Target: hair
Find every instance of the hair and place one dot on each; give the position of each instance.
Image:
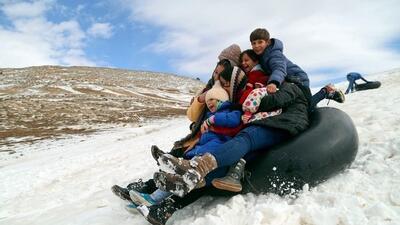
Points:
(251, 53)
(259, 33)
(227, 72)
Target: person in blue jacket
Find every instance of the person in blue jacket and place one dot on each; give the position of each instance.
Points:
(220, 115)
(280, 68)
(352, 77)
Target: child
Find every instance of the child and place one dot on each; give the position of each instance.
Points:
(275, 63)
(220, 114)
(256, 82)
(352, 77)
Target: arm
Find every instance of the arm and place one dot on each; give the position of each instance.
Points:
(277, 64)
(195, 109)
(227, 118)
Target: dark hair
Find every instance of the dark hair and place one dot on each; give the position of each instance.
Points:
(251, 53)
(225, 63)
(227, 72)
(259, 33)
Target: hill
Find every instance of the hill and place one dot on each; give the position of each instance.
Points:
(47, 101)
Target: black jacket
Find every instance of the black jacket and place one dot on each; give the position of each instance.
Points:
(294, 103)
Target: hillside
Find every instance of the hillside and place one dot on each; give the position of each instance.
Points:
(47, 101)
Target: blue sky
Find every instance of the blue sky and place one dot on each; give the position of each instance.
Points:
(326, 38)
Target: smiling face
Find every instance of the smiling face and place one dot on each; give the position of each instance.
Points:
(259, 46)
(212, 104)
(247, 63)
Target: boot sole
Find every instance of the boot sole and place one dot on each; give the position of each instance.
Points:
(226, 186)
(117, 191)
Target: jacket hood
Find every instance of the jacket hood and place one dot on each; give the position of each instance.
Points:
(276, 45)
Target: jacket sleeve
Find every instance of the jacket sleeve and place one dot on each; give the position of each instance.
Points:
(227, 118)
(195, 110)
(287, 95)
(277, 63)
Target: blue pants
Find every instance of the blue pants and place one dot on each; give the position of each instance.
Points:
(249, 140)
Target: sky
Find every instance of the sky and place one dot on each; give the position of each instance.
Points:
(326, 38)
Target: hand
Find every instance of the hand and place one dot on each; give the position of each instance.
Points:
(204, 127)
(271, 88)
(202, 97)
(258, 85)
(246, 117)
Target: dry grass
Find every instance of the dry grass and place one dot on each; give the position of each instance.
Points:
(49, 101)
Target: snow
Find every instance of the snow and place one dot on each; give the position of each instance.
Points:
(68, 181)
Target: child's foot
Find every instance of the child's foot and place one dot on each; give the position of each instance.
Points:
(141, 198)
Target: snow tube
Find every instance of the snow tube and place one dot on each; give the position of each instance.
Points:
(368, 85)
(326, 148)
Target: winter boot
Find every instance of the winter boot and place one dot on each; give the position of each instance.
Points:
(334, 93)
(231, 182)
(141, 198)
(174, 183)
(121, 192)
(190, 173)
(143, 187)
(156, 152)
(158, 214)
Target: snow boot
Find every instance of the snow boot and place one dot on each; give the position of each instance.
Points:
(174, 183)
(158, 214)
(231, 182)
(156, 153)
(121, 192)
(334, 93)
(189, 174)
(132, 208)
(143, 187)
(141, 198)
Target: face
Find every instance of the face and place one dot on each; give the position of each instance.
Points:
(247, 63)
(212, 104)
(259, 46)
(218, 69)
(225, 84)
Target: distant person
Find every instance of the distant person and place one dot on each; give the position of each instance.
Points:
(352, 77)
(275, 63)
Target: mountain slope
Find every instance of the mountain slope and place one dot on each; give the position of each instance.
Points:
(46, 101)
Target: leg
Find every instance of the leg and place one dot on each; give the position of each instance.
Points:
(252, 138)
(317, 97)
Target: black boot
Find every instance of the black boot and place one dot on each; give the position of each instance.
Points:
(121, 192)
(159, 214)
(146, 187)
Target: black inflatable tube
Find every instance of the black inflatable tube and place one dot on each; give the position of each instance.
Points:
(326, 148)
(368, 85)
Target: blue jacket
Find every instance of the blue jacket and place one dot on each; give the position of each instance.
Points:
(210, 141)
(353, 76)
(275, 63)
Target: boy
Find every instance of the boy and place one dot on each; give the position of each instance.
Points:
(275, 63)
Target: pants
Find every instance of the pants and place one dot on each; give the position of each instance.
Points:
(249, 140)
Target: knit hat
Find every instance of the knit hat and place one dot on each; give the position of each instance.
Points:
(231, 53)
(217, 92)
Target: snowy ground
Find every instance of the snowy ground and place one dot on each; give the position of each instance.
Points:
(68, 181)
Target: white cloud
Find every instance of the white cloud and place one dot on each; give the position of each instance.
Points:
(102, 30)
(33, 40)
(344, 35)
